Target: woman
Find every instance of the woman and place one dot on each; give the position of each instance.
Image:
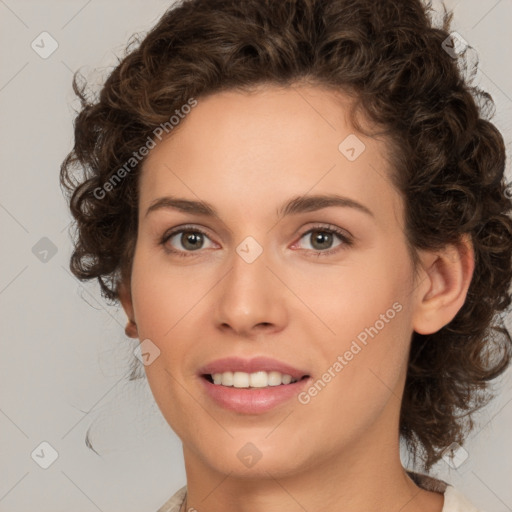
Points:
(302, 211)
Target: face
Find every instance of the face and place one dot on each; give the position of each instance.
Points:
(283, 281)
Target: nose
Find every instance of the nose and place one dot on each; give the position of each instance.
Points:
(251, 300)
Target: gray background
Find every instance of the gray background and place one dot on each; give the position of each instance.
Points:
(64, 353)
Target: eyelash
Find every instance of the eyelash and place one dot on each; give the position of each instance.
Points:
(344, 238)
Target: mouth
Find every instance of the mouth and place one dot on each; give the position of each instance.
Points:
(251, 386)
(255, 380)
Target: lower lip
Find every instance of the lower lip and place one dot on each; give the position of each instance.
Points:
(252, 400)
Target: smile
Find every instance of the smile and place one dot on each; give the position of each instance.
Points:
(261, 379)
(251, 386)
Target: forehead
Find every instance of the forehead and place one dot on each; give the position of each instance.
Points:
(263, 124)
(262, 145)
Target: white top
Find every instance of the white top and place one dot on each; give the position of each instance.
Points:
(454, 501)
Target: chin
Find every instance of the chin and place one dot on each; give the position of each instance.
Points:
(245, 459)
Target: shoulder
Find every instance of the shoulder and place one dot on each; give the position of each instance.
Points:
(174, 503)
(454, 501)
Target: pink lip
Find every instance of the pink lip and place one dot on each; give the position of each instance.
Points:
(251, 400)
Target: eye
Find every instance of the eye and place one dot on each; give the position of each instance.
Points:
(185, 240)
(322, 239)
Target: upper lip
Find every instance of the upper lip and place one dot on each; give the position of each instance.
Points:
(256, 364)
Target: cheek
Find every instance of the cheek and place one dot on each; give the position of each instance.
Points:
(156, 307)
(366, 319)
(360, 301)
(162, 296)
(362, 370)
(161, 306)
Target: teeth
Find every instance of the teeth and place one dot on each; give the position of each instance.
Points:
(240, 380)
(251, 380)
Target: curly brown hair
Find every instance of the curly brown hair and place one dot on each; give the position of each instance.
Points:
(448, 160)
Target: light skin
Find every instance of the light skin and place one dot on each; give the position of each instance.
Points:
(246, 154)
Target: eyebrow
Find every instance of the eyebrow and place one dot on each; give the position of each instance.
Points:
(294, 206)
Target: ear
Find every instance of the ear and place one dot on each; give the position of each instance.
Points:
(125, 297)
(442, 285)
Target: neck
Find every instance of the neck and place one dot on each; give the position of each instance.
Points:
(366, 476)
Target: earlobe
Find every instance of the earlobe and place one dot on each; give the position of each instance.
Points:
(131, 329)
(443, 286)
(125, 297)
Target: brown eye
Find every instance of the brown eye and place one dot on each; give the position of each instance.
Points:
(185, 241)
(322, 240)
(192, 240)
